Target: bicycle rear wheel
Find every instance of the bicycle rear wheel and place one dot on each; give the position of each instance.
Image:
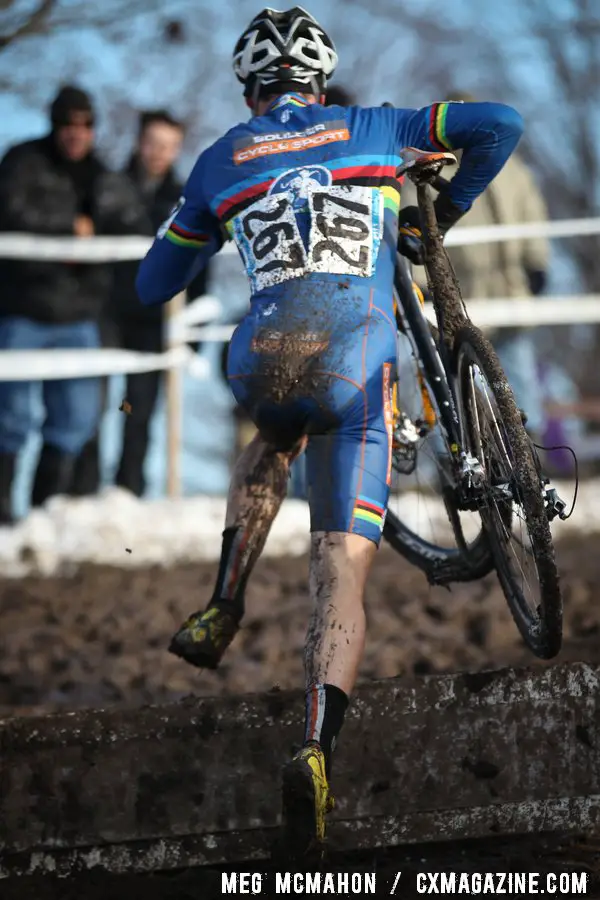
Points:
(512, 502)
(423, 522)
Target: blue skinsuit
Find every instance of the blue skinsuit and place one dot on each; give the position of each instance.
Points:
(310, 196)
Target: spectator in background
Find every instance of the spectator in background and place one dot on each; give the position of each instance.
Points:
(513, 268)
(56, 186)
(337, 95)
(129, 324)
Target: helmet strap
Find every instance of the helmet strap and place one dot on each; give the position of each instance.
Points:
(255, 94)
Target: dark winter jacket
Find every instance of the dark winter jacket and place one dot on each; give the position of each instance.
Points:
(158, 200)
(41, 193)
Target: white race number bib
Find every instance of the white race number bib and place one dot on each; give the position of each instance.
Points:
(269, 240)
(346, 227)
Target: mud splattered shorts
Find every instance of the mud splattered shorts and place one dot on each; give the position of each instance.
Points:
(326, 371)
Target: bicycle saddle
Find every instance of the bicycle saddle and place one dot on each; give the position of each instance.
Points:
(425, 163)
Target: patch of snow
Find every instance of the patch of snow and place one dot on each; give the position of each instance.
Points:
(103, 529)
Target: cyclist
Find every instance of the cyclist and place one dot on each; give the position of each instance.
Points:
(310, 196)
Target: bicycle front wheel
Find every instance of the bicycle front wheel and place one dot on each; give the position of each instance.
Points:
(511, 501)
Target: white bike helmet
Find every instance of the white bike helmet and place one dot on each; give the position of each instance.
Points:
(284, 51)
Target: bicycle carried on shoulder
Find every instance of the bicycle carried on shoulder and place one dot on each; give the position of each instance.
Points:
(466, 426)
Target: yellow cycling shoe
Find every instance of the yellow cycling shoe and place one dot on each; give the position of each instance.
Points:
(205, 636)
(306, 801)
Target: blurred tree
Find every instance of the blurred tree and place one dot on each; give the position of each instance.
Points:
(51, 17)
(174, 32)
(544, 58)
(17, 24)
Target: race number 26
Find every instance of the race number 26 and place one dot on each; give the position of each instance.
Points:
(270, 243)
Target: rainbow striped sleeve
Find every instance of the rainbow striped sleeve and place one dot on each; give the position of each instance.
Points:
(437, 126)
(184, 236)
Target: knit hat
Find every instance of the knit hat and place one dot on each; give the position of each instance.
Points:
(70, 99)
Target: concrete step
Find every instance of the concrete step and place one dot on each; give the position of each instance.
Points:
(197, 783)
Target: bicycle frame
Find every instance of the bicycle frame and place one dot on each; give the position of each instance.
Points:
(412, 320)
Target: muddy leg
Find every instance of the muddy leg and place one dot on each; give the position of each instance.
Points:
(334, 646)
(258, 487)
(339, 567)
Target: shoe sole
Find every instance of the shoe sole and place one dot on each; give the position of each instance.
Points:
(299, 835)
(193, 655)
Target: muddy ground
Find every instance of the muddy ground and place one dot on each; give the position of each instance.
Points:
(100, 636)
